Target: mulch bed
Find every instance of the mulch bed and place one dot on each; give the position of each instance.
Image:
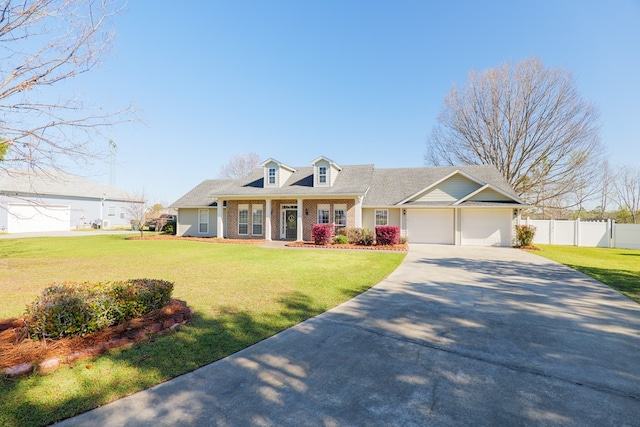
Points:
(398, 247)
(530, 248)
(21, 355)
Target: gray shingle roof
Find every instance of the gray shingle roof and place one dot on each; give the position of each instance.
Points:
(352, 180)
(380, 187)
(58, 183)
(203, 194)
(391, 186)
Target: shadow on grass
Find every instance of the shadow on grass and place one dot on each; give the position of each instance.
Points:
(624, 281)
(92, 383)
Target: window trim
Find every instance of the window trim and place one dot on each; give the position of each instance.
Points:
(271, 179)
(254, 215)
(200, 222)
(386, 216)
(322, 177)
(111, 210)
(323, 208)
(243, 208)
(340, 207)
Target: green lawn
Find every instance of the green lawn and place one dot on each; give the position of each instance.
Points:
(618, 268)
(241, 294)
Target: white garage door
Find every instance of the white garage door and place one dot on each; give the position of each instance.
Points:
(486, 227)
(32, 218)
(430, 226)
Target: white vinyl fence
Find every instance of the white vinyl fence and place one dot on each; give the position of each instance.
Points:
(602, 234)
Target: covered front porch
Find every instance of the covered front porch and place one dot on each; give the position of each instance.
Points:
(284, 219)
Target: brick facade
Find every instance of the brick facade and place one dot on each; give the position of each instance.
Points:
(309, 215)
(232, 218)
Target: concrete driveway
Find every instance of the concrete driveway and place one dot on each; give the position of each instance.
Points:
(455, 336)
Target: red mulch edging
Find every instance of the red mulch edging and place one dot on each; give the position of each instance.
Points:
(312, 245)
(20, 355)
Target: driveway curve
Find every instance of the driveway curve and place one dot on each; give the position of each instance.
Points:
(454, 336)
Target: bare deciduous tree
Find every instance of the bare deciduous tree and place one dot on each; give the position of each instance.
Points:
(240, 166)
(528, 121)
(627, 185)
(138, 212)
(42, 44)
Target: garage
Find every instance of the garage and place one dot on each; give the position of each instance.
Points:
(26, 218)
(486, 227)
(430, 226)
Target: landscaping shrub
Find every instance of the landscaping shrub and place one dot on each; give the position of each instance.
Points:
(81, 308)
(169, 228)
(341, 239)
(360, 236)
(354, 235)
(525, 234)
(368, 237)
(387, 235)
(321, 233)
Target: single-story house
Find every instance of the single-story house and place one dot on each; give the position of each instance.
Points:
(33, 201)
(465, 205)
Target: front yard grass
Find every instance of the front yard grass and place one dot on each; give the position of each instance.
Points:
(617, 268)
(241, 294)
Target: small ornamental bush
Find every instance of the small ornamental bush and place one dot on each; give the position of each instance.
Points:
(368, 237)
(341, 239)
(354, 235)
(82, 308)
(525, 234)
(169, 228)
(387, 235)
(321, 233)
(360, 236)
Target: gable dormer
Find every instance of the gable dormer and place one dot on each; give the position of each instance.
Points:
(275, 173)
(325, 172)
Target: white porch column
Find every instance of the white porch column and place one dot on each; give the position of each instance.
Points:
(267, 219)
(220, 222)
(299, 236)
(358, 212)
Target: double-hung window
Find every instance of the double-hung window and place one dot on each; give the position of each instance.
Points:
(111, 211)
(272, 176)
(243, 219)
(322, 175)
(256, 220)
(382, 217)
(324, 215)
(122, 209)
(203, 221)
(340, 216)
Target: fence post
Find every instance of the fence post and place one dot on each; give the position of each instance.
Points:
(577, 232)
(552, 232)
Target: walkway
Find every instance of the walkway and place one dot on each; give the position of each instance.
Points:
(455, 336)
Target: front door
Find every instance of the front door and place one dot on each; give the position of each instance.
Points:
(291, 223)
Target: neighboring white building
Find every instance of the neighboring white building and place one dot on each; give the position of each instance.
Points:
(56, 201)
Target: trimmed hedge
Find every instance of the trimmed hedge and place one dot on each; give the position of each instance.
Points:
(387, 235)
(82, 308)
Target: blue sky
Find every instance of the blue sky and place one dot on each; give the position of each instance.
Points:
(356, 81)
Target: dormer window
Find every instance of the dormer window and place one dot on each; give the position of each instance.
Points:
(322, 175)
(272, 176)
